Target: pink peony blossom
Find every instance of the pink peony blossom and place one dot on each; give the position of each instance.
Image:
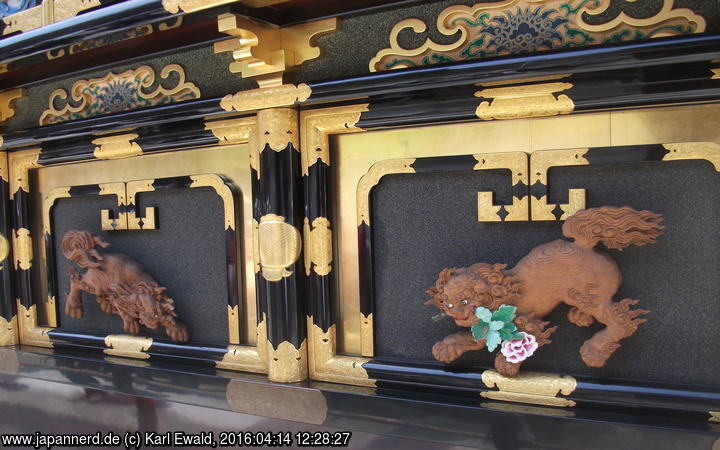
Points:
(519, 349)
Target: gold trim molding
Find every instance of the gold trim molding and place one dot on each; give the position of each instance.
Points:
(372, 178)
(536, 388)
(709, 151)
(485, 30)
(519, 102)
(319, 124)
(92, 97)
(50, 11)
(117, 147)
(264, 98)
(223, 191)
(20, 165)
(232, 131)
(367, 335)
(326, 365)
(287, 364)
(277, 128)
(318, 246)
(248, 358)
(540, 163)
(265, 53)
(279, 245)
(127, 346)
(7, 103)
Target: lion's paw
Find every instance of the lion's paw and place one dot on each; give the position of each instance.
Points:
(445, 353)
(74, 310)
(594, 355)
(178, 332)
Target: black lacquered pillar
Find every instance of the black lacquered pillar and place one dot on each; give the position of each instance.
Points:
(280, 213)
(8, 310)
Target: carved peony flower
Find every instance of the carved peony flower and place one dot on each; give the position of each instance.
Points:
(519, 350)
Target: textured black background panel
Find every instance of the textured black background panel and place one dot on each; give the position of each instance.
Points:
(423, 223)
(186, 255)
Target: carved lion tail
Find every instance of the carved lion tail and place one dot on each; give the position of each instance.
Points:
(617, 228)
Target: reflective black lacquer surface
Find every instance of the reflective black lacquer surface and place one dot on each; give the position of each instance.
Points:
(61, 394)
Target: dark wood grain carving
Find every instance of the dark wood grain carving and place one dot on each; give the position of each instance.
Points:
(560, 271)
(121, 286)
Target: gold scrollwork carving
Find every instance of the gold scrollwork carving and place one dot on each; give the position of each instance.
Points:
(22, 249)
(540, 163)
(30, 332)
(486, 30)
(117, 147)
(8, 331)
(264, 53)
(318, 246)
(7, 102)
(128, 346)
(536, 388)
(517, 163)
(222, 190)
(276, 128)
(326, 365)
(90, 97)
(279, 245)
(318, 125)
(287, 364)
(264, 98)
(372, 178)
(515, 102)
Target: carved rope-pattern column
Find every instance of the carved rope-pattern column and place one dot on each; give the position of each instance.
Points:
(279, 242)
(8, 313)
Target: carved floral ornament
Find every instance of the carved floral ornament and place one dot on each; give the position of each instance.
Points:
(119, 92)
(525, 26)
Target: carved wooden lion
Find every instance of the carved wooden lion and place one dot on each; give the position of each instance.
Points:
(560, 271)
(121, 286)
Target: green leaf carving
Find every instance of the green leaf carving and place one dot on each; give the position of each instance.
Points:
(493, 340)
(505, 313)
(483, 314)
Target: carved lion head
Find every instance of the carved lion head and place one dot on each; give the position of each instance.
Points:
(458, 292)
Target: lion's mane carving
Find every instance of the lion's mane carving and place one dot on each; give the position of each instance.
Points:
(121, 286)
(560, 271)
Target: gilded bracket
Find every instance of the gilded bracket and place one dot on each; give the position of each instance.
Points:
(540, 163)
(267, 97)
(325, 364)
(232, 131)
(287, 364)
(536, 388)
(20, 165)
(372, 178)
(134, 222)
(8, 331)
(276, 128)
(222, 190)
(708, 151)
(517, 163)
(263, 52)
(714, 416)
(117, 147)
(319, 124)
(279, 245)
(318, 246)
(515, 102)
(30, 332)
(246, 358)
(108, 223)
(7, 102)
(127, 346)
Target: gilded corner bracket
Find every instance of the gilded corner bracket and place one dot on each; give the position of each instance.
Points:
(287, 363)
(517, 163)
(536, 388)
(372, 178)
(540, 164)
(319, 124)
(247, 358)
(9, 331)
(30, 332)
(326, 365)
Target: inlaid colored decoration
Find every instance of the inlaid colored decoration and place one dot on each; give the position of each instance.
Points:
(505, 308)
(524, 26)
(114, 93)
